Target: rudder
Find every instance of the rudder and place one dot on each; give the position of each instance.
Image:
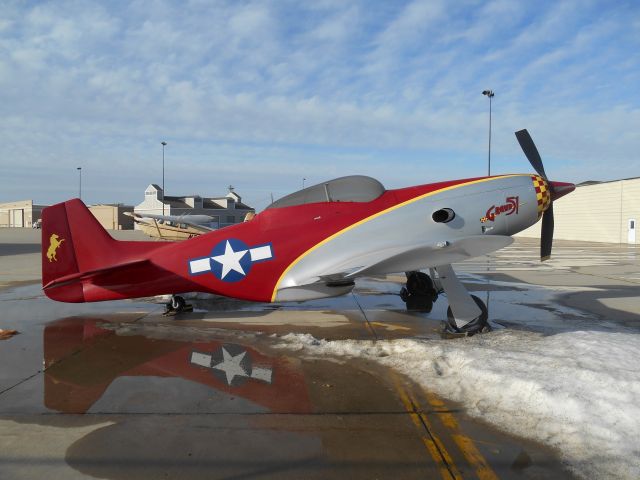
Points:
(72, 241)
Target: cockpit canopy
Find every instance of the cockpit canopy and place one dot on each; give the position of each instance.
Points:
(354, 188)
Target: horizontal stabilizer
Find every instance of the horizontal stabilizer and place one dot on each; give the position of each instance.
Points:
(75, 277)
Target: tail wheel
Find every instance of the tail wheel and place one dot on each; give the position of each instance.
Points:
(178, 303)
(477, 325)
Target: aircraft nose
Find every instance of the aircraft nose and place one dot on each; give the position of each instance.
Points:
(560, 189)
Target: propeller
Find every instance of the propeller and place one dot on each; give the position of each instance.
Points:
(556, 190)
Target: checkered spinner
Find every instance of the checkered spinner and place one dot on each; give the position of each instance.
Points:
(543, 194)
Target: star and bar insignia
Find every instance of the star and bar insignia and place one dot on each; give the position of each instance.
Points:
(230, 260)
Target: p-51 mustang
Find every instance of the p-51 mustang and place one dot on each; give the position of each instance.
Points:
(313, 243)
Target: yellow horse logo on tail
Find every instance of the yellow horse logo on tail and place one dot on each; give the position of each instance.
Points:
(54, 244)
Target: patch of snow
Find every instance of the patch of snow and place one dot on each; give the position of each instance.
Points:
(578, 392)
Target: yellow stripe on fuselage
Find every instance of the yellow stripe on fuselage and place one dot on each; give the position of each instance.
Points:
(380, 213)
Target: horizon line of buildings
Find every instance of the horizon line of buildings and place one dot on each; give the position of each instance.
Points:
(225, 210)
(605, 212)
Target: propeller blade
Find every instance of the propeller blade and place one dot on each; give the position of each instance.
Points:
(531, 152)
(546, 234)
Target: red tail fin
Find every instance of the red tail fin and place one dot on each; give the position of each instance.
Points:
(72, 241)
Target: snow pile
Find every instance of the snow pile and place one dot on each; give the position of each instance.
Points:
(578, 392)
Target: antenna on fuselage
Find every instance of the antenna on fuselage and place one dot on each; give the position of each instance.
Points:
(326, 192)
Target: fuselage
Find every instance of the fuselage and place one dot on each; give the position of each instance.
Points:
(310, 242)
(311, 250)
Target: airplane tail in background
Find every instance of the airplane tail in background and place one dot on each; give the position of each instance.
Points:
(73, 241)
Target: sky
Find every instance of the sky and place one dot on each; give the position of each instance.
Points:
(261, 94)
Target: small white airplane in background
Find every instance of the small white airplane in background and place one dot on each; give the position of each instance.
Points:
(174, 227)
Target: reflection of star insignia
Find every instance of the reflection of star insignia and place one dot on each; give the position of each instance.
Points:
(230, 365)
(230, 260)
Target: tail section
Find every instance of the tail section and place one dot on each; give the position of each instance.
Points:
(81, 262)
(73, 241)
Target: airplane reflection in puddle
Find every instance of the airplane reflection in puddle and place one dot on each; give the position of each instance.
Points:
(82, 360)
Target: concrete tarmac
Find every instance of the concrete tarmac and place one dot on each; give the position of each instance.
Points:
(116, 390)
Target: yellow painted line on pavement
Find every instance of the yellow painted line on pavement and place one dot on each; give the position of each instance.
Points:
(474, 457)
(434, 446)
(466, 445)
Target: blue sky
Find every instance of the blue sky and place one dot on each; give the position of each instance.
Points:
(261, 94)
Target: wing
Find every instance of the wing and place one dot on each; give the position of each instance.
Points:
(339, 279)
(429, 256)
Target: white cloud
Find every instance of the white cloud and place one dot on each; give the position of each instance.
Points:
(331, 88)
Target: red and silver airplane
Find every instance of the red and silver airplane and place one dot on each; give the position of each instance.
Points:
(313, 243)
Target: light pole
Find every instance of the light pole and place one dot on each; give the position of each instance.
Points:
(164, 144)
(80, 186)
(303, 180)
(489, 93)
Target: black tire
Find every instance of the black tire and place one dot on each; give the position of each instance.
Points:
(420, 284)
(476, 325)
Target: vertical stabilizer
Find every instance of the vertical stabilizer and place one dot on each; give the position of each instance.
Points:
(72, 241)
(58, 254)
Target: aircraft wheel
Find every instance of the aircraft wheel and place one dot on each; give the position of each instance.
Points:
(420, 284)
(168, 308)
(418, 293)
(477, 325)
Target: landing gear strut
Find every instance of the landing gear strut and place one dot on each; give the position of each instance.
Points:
(466, 315)
(177, 304)
(477, 325)
(419, 292)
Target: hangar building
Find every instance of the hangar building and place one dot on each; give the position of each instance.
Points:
(597, 212)
(24, 213)
(225, 210)
(20, 214)
(112, 217)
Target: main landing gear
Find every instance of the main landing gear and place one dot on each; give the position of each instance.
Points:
(419, 292)
(177, 304)
(466, 315)
(478, 325)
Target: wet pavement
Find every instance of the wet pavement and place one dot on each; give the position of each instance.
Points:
(116, 390)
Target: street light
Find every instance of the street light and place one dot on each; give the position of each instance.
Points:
(80, 186)
(164, 144)
(489, 93)
(303, 180)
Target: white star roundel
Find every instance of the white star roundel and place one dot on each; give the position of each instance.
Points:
(230, 260)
